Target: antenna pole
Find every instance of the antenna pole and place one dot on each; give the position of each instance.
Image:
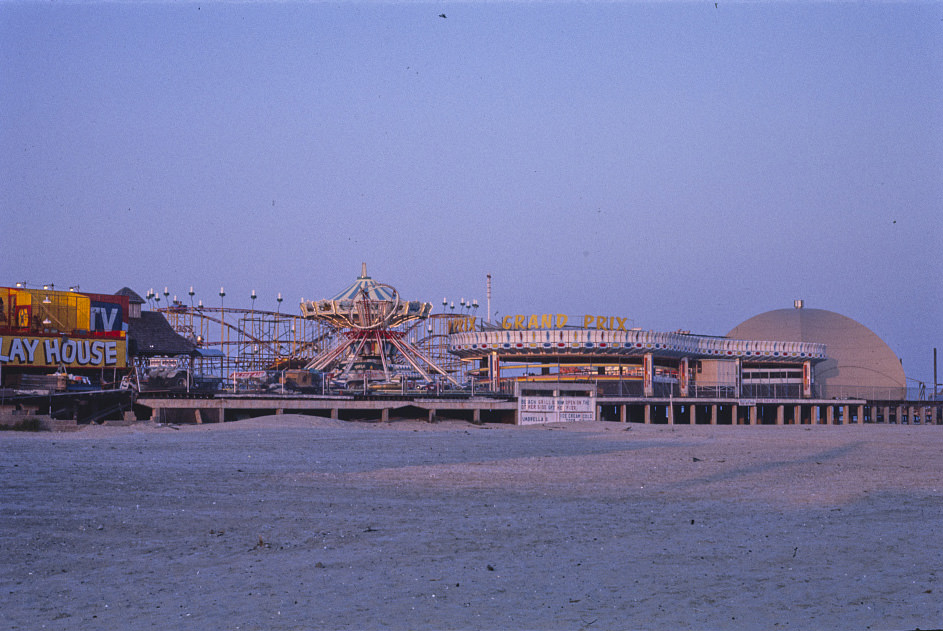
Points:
(489, 299)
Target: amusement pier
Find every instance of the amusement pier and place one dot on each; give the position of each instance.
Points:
(69, 358)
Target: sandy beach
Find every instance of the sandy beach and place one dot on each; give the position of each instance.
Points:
(293, 522)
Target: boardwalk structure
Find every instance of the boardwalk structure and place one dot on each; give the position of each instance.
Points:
(505, 409)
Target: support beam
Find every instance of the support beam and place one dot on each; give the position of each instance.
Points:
(648, 414)
(738, 379)
(683, 376)
(648, 373)
(494, 371)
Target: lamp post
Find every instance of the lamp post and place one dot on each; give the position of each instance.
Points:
(222, 320)
(46, 321)
(256, 325)
(278, 332)
(191, 292)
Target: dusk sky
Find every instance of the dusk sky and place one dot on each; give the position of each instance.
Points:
(683, 165)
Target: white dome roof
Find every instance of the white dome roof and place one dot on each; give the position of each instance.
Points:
(856, 356)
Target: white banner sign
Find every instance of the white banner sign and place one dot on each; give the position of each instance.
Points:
(533, 410)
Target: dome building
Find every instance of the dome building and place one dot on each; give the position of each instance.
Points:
(859, 363)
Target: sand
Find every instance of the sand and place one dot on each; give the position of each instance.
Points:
(295, 522)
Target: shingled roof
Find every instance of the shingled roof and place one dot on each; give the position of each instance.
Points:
(152, 335)
(133, 296)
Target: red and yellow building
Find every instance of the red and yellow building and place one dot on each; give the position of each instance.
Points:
(43, 330)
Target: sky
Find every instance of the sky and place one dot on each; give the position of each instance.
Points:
(682, 165)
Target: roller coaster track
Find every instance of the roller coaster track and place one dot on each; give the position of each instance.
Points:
(251, 338)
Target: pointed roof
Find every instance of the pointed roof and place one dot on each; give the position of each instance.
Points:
(133, 297)
(375, 291)
(151, 334)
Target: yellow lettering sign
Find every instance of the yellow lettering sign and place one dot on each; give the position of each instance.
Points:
(551, 321)
(54, 351)
(460, 325)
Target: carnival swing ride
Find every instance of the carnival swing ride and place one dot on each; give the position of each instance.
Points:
(373, 346)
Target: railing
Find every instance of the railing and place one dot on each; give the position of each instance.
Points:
(630, 388)
(771, 391)
(870, 393)
(705, 390)
(628, 343)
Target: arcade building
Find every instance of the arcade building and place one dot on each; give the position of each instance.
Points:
(787, 365)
